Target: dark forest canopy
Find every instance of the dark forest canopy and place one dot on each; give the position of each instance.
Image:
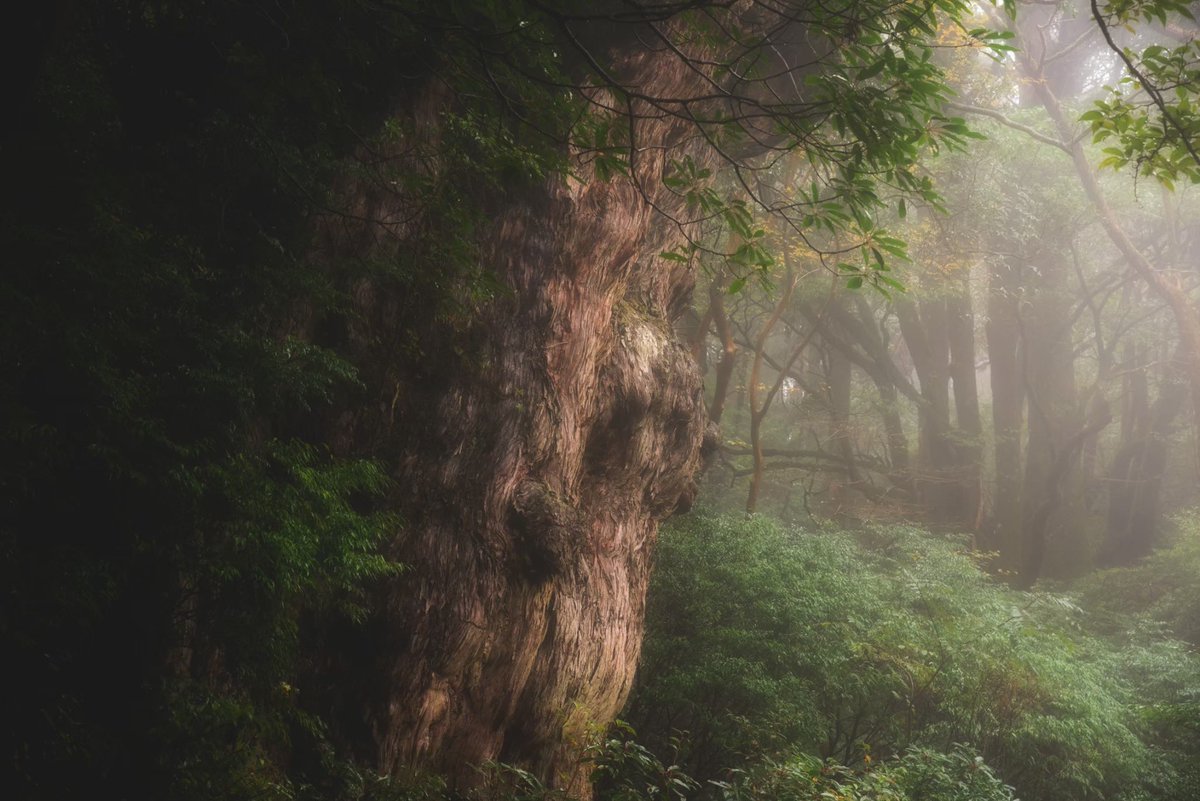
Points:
(354, 351)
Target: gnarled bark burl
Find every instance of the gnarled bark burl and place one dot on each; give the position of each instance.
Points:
(535, 450)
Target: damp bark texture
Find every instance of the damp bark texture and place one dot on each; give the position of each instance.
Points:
(535, 446)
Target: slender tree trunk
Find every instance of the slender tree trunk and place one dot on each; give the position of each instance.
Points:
(1008, 396)
(841, 332)
(841, 375)
(1135, 478)
(728, 360)
(759, 411)
(1135, 397)
(1049, 376)
(1038, 524)
(872, 339)
(960, 325)
(942, 489)
(897, 440)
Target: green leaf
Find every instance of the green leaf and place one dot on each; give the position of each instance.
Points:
(871, 70)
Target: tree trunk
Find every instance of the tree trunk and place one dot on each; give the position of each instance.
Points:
(871, 338)
(1135, 479)
(842, 332)
(960, 327)
(1008, 396)
(1049, 377)
(759, 411)
(535, 447)
(724, 372)
(840, 377)
(943, 490)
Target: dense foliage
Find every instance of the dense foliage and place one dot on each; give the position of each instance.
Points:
(181, 546)
(626, 771)
(172, 524)
(1149, 119)
(860, 645)
(1162, 589)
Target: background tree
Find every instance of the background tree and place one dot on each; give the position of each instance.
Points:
(1053, 356)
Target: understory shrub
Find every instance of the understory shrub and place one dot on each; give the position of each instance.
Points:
(919, 774)
(1163, 588)
(765, 642)
(624, 770)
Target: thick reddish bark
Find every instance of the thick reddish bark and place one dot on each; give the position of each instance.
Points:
(522, 618)
(535, 449)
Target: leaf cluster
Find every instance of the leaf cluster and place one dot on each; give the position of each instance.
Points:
(1152, 117)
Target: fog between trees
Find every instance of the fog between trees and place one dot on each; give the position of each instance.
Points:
(1028, 384)
(354, 354)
